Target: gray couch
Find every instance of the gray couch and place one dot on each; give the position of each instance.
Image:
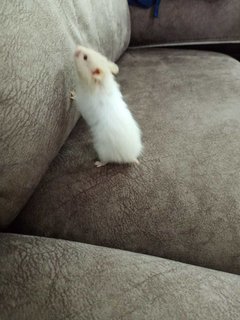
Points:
(156, 241)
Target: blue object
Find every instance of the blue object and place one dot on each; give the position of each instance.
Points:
(147, 4)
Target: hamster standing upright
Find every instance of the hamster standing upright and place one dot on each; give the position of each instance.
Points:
(116, 135)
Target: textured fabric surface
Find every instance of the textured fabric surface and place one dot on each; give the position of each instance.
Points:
(187, 21)
(182, 202)
(37, 74)
(53, 279)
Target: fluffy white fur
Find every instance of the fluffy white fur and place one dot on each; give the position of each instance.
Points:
(116, 135)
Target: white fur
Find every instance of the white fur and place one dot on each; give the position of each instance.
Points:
(116, 135)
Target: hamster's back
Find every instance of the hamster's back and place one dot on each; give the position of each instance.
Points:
(117, 137)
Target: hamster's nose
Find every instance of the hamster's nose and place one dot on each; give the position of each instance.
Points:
(77, 53)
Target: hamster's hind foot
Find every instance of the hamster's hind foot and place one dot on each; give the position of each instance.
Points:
(100, 164)
(136, 162)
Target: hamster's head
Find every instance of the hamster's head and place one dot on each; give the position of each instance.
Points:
(92, 67)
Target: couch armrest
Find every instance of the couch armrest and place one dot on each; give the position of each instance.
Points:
(53, 279)
(187, 22)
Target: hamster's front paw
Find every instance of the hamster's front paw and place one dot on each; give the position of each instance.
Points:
(72, 95)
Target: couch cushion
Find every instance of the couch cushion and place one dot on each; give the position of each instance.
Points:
(37, 74)
(54, 279)
(182, 202)
(187, 21)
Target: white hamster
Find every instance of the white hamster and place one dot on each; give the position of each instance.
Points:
(116, 135)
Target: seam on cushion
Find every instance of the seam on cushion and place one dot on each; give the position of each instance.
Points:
(186, 43)
(232, 39)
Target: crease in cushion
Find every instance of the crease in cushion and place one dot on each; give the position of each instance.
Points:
(78, 281)
(37, 73)
(182, 202)
(186, 21)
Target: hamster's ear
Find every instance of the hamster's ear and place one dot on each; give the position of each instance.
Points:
(97, 74)
(113, 67)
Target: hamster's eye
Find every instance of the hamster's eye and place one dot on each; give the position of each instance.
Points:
(85, 57)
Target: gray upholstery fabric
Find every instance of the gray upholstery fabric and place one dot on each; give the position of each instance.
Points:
(37, 74)
(47, 279)
(187, 21)
(182, 202)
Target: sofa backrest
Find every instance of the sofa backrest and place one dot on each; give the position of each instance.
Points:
(188, 22)
(37, 41)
